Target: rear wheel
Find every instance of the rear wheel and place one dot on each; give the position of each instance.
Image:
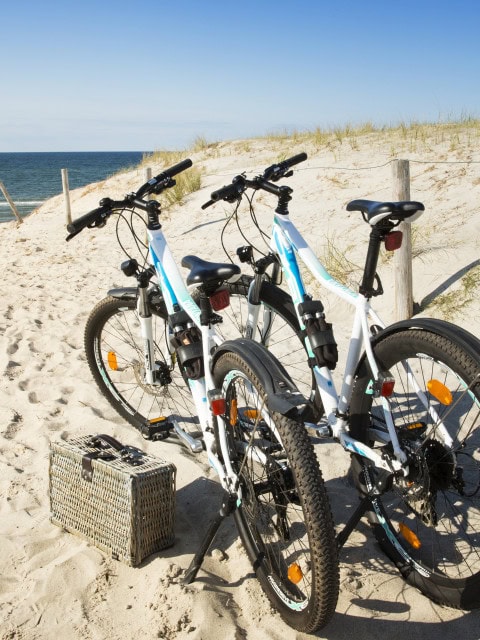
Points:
(429, 522)
(284, 517)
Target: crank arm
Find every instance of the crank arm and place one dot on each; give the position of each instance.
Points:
(194, 444)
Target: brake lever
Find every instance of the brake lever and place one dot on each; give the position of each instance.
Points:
(207, 204)
(276, 177)
(97, 224)
(167, 183)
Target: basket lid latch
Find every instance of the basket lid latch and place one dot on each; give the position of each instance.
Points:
(87, 467)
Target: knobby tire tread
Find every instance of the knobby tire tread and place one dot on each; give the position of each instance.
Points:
(314, 499)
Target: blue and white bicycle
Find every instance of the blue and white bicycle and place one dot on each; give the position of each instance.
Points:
(156, 355)
(408, 410)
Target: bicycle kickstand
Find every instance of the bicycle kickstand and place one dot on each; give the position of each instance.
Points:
(362, 508)
(383, 481)
(229, 505)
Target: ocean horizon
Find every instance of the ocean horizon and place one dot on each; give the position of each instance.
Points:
(31, 177)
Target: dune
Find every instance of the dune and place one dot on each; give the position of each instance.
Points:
(54, 585)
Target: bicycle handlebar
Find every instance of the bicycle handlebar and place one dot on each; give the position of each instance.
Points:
(98, 217)
(239, 184)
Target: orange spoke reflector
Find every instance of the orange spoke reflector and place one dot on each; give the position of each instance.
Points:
(409, 536)
(112, 361)
(294, 573)
(440, 391)
(251, 414)
(233, 412)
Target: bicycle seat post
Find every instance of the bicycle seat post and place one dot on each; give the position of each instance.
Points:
(377, 234)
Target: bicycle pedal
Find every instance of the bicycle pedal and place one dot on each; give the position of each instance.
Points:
(320, 430)
(157, 429)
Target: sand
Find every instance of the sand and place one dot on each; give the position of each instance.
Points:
(54, 585)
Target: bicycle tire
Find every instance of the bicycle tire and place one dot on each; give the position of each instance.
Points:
(285, 340)
(284, 517)
(114, 351)
(440, 500)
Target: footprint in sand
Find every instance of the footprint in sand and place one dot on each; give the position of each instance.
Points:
(66, 391)
(32, 347)
(12, 348)
(13, 369)
(14, 426)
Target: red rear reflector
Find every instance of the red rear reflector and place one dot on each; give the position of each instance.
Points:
(220, 299)
(393, 240)
(217, 402)
(387, 388)
(218, 407)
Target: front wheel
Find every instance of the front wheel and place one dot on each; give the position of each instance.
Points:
(284, 517)
(428, 522)
(115, 354)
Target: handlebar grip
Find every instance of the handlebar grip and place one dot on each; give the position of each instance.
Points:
(95, 216)
(290, 162)
(177, 168)
(205, 205)
(228, 191)
(280, 169)
(161, 182)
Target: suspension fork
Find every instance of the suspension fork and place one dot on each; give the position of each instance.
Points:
(253, 299)
(146, 329)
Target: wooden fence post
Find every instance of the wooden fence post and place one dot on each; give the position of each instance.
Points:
(66, 193)
(403, 257)
(10, 202)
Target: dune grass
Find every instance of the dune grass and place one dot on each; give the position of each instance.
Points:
(452, 303)
(404, 136)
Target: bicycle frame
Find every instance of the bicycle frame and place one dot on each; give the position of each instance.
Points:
(287, 243)
(176, 295)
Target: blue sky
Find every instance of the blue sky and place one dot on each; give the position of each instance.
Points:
(145, 75)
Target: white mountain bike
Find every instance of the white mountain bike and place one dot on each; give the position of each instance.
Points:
(409, 403)
(158, 358)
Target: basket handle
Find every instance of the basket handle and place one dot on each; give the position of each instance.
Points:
(130, 455)
(96, 441)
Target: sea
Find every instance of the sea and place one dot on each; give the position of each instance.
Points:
(32, 178)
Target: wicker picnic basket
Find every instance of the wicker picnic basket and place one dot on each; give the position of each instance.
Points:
(117, 497)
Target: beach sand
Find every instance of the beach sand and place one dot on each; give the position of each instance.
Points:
(54, 585)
